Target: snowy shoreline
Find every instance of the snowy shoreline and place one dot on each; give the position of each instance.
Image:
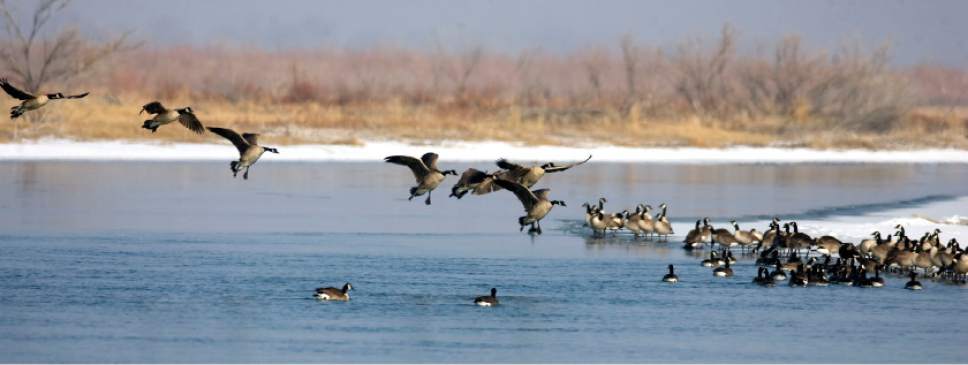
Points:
(466, 151)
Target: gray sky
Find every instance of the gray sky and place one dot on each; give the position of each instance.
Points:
(932, 31)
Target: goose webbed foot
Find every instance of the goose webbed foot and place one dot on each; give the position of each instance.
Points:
(245, 176)
(427, 202)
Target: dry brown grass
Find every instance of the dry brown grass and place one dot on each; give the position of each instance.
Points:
(104, 118)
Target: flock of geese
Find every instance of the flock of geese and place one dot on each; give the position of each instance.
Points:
(777, 248)
(780, 247)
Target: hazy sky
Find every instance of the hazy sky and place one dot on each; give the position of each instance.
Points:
(934, 31)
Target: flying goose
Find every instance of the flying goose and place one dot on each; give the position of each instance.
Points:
(424, 170)
(487, 300)
(473, 181)
(536, 204)
(29, 101)
(671, 276)
(163, 116)
(528, 176)
(334, 294)
(248, 146)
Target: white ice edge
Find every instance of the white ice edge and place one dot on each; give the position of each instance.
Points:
(56, 149)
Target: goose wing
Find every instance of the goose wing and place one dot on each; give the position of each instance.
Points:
(416, 166)
(430, 160)
(527, 198)
(252, 138)
(233, 137)
(13, 91)
(78, 96)
(190, 121)
(472, 177)
(153, 107)
(555, 168)
(508, 165)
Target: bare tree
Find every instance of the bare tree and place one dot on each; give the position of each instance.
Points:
(37, 58)
(630, 64)
(702, 77)
(466, 64)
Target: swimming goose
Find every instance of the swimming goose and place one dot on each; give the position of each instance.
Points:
(424, 170)
(334, 294)
(536, 203)
(778, 274)
(662, 225)
(487, 300)
(723, 271)
(713, 260)
(163, 116)
(248, 146)
(528, 176)
(472, 180)
(671, 276)
(29, 101)
(763, 277)
(798, 278)
(913, 284)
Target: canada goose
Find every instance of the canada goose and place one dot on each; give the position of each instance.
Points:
(693, 238)
(744, 238)
(724, 238)
(424, 170)
(646, 222)
(632, 221)
(723, 271)
(769, 238)
(29, 101)
(778, 274)
(713, 260)
(877, 281)
(798, 240)
(960, 266)
(615, 221)
(334, 294)
(598, 222)
(848, 251)
(163, 116)
(868, 244)
(528, 176)
(487, 300)
(671, 276)
(827, 245)
(817, 276)
(472, 180)
(799, 278)
(902, 257)
(769, 257)
(248, 146)
(592, 210)
(913, 284)
(763, 277)
(662, 225)
(536, 203)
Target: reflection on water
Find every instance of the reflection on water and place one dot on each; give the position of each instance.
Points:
(178, 262)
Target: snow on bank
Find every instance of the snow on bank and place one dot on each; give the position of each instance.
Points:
(466, 151)
(947, 215)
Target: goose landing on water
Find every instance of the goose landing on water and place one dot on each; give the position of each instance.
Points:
(249, 149)
(424, 170)
(29, 101)
(536, 204)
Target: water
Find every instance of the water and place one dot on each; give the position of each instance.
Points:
(177, 262)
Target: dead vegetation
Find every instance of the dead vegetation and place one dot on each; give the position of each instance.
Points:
(701, 93)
